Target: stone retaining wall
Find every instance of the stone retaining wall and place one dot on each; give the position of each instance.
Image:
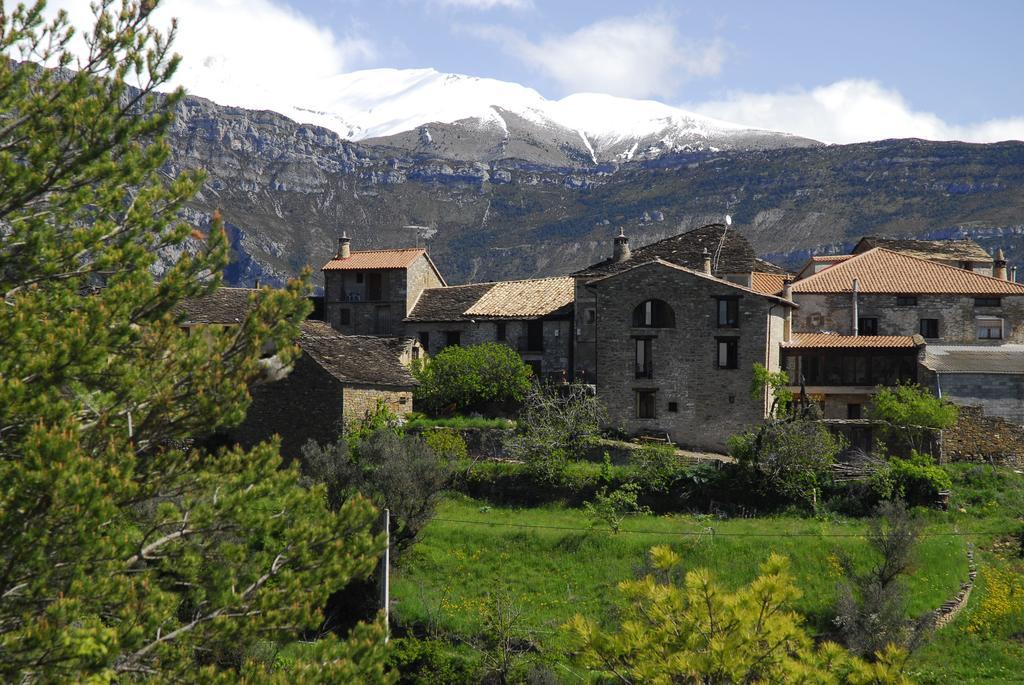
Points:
(949, 611)
(980, 438)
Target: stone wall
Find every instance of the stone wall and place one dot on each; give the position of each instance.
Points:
(957, 315)
(980, 438)
(361, 400)
(698, 404)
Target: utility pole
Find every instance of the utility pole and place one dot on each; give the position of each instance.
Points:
(385, 576)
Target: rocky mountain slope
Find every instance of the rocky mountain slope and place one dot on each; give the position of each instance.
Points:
(287, 190)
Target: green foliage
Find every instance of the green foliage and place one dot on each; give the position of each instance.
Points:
(427, 662)
(611, 508)
(916, 480)
(776, 382)
(795, 457)
(457, 422)
(446, 444)
(397, 471)
(556, 426)
(125, 556)
(471, 379)
(657, 467)
(691, 629)
(909, 411)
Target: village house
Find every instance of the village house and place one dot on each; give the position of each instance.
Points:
(337, 379)
(881, 316)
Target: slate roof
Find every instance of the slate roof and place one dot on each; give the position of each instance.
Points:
(358, 359)
(699, 274)
(819, 341)
(528, 299)
(766, 267)
(686, 249)
(883, 271)
(1002, 359)
(926, 249)
(222, 306)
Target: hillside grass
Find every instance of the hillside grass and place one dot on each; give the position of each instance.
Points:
(555, 565)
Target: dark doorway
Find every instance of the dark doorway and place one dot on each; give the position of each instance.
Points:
(535, 336)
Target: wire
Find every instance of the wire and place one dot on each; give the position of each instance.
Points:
(710, 531)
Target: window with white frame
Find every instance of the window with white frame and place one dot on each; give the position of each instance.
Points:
(990, 329)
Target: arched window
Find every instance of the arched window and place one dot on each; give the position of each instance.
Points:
(654, 314)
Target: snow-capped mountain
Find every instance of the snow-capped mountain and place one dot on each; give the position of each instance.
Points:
(469, 118)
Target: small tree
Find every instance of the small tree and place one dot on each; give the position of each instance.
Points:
(557, 423)
(477, 378)
(794, 456)
(910, 411)
(775, 382)
(610, 509)
(871, 611)
(691, 630)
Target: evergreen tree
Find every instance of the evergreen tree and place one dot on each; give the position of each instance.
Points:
(125, 555)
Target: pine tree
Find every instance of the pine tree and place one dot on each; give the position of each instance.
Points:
(126, 555)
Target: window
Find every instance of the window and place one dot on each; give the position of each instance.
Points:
(644, 369)
(359, 277)
(499, 330)
(654, 314)
(645, 404)
(375, 287)
(589, 315)
(673, 407)
(867, 325)
(990, 329)
(345, 317)
(452, 338)
(424, 337)
(929, 328)
(853, 411)
(728, 312)
(906, 300)
(728, 353)
(987, 302)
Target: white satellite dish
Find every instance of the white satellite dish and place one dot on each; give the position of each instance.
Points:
(728, 220)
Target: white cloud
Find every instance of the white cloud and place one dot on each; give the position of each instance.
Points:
(487, 4)
(631, 56)
(250, 53)
(851, 111)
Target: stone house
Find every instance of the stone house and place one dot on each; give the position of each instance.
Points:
(370, 292)
(962, 254)
(335, 380)
(872, 319)
(673, 349)
(533, 317)
(715, 249)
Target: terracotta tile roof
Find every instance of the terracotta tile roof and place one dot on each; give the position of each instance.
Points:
(820, 263)
(376, 259)
(800, 341)
(735, 255)
(965, 249)
(769, 284)
(883, 271)
(526, 299)
(358, 359)
(1001, 359)
(223, 306)
(833, 258)
(519, 299)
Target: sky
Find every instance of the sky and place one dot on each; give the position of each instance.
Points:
(837, 71)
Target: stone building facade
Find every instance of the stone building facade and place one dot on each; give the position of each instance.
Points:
(370, 292)
(674, 350)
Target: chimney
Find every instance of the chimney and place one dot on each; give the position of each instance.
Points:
(707, 261)
(621, 252)
(787, 294)
(856, 289)
(256, 284)
(999, 265)
(344, 246)
(1013, 274)
(787, 289)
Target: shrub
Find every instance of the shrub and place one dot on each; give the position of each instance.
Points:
(657, 467)
(556, 425)
(917, 480)
(473, 378)
(425, 662)
(795, 457)
(446, 443)
(611, 508)
(458, 422)
(910, 410)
